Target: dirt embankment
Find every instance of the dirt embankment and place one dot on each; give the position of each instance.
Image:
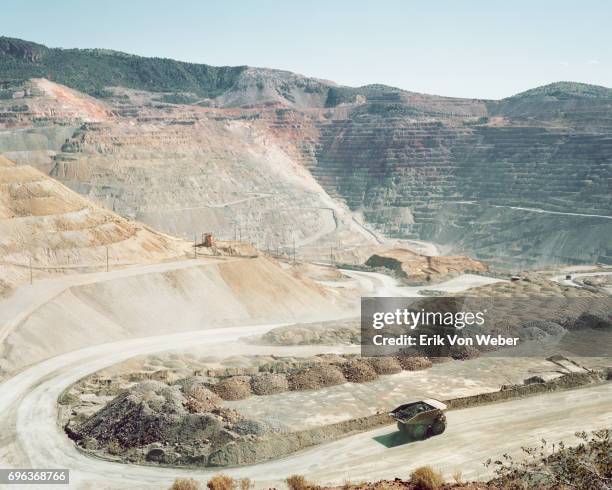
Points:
(52, 228)
(219, 293)
(184, 422)
(321, 333)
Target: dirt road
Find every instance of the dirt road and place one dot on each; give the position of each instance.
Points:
(27, 298)
(561, 279)
(31, 438)
(382, 285)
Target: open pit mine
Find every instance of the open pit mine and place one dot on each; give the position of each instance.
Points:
(184, 249)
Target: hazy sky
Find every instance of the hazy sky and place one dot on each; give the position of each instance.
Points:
(488, 49)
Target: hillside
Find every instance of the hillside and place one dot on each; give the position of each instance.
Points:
(43, 221)
(93, 71)
(97, 69)
(279, 157)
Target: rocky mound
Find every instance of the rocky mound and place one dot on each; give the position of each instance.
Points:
(234, 388)
(325, 333)
(269, 384)
(410, 363)
(415, 267)
(150, 412)
(385, 365)
(199, 398)
(358, 371)
(154, 415)
(315, 378)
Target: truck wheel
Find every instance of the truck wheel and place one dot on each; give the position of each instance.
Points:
(438, 427)
(418, 432)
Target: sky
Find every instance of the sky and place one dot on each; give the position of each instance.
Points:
(470, 48)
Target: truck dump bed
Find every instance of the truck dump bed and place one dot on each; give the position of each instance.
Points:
(408, 411)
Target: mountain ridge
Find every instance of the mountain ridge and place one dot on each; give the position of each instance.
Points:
(101, 68)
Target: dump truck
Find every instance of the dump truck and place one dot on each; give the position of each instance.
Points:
(421, 419)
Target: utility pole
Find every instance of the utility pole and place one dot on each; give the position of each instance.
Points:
(195, 250)
(331, 254)
(106, 259)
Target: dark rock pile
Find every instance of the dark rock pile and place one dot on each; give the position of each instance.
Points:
(155, 413)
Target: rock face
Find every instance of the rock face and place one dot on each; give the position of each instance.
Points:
(418, 268)
(276, 156)
(510, 181)
(184, 170)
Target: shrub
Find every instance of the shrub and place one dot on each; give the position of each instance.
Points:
(113, 447)
(426, 478)
(221, 482)
(583, 467)
(185, 484)
(298, 482)
(458, 477)
(245, 484)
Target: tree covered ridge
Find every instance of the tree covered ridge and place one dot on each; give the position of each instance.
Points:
(90, 70)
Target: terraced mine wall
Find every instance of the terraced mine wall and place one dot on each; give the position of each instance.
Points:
(525, 195)
(519, 182)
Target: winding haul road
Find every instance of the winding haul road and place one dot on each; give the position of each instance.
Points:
(31, 438)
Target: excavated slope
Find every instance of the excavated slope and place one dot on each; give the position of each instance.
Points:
(43, 221)
(465, 177)
(221, 293)
(518, 182)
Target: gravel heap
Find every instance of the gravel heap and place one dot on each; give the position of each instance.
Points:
(199, 398)
(330, 358)
(329, 333)
(153, 412)
(234, 388)
(385, 365)
(358, 371)
(315, 378)
(464, 352)
(269, 384)
(410, 363)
